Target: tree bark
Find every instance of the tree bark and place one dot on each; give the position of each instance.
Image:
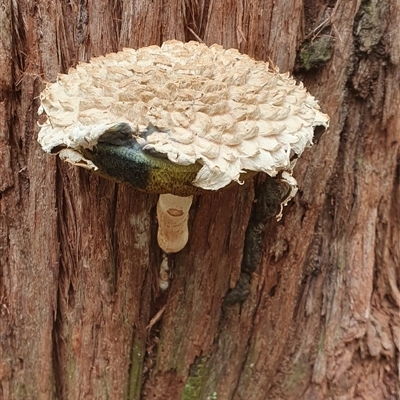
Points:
(307, 307)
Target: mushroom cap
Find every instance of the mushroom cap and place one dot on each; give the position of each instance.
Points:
(188, 102)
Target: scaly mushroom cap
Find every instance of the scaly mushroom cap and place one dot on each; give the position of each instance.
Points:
(191, 103)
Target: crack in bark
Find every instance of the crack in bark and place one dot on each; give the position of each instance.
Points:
(268, 199)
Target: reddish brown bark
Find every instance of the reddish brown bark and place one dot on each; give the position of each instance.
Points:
(79, 261)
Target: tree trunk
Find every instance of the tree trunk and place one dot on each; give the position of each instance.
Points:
(307, 307)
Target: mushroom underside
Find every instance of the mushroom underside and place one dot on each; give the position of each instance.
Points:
(181, 119)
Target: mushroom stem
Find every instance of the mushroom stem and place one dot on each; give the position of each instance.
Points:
(173, 215)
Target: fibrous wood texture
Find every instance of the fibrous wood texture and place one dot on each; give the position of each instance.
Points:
(307, 307)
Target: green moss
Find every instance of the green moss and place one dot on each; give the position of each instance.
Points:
(70, 368)
(316, 53)
(136, 371)
(341, 264)
(195, 384)
(359, 163)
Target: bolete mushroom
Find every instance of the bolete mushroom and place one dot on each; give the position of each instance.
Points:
(178, 120)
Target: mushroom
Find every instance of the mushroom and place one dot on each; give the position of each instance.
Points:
(179, 120)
